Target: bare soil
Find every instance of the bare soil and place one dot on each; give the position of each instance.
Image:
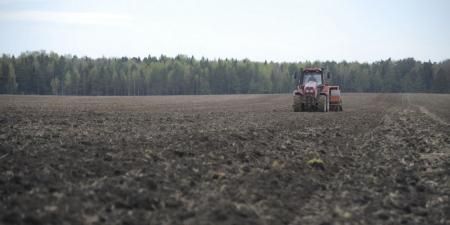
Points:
(234, 159)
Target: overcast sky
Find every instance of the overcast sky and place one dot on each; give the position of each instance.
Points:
(256, 29)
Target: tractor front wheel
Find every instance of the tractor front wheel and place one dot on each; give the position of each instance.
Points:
(322, 103)
(297, 106)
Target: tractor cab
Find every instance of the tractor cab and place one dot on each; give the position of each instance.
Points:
(311, 75)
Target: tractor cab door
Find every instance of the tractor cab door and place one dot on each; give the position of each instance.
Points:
(298, 76)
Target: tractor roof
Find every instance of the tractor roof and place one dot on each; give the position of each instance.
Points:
(313, 69)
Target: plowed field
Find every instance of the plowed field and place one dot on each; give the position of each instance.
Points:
(233, 159)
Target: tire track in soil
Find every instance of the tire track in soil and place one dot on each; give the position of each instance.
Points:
(399, 175)
(426, 111)
(276, 204)
(432, 115)
(345, 161)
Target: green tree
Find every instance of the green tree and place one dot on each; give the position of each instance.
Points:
(3, 79)
(441, 82)
(12, 84)
(427, 76)
(55, 86)
(75, 81)
(67, 84)
(50, 73)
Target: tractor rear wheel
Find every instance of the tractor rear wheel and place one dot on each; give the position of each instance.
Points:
(297, 106)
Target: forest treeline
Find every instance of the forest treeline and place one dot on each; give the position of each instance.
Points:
(49, 73)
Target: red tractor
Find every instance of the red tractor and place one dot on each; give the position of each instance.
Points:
(313, 93)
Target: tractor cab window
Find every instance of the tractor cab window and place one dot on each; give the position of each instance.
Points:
(316, 77)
